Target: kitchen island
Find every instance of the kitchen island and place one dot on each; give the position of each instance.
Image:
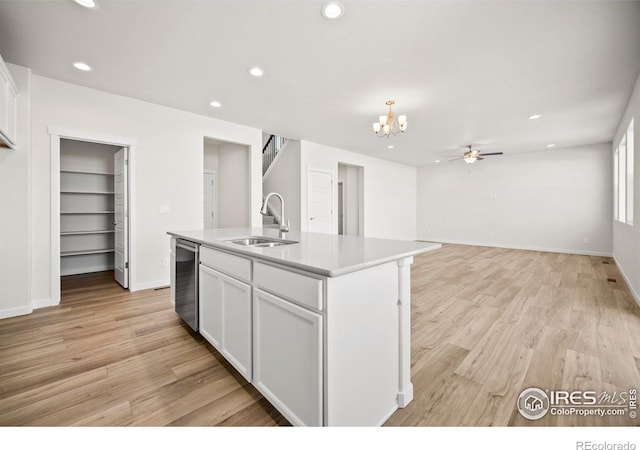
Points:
(318, 323)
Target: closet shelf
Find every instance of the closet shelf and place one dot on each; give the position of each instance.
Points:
(88, 192)
(87, 252)
(73, 233)
(86, 172)
(87, 212)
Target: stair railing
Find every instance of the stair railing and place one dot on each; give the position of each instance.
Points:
(270, 151)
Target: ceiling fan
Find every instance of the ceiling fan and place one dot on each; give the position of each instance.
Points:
(471, 156)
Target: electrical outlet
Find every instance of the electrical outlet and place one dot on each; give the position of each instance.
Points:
(585, 240)
(165, 262)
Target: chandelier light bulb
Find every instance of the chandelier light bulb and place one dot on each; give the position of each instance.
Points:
(376, 127)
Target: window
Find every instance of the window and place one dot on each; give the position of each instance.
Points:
(623, 175)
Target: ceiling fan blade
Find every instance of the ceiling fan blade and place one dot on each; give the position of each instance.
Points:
(455, 159)
(479, 158)
(491, 154)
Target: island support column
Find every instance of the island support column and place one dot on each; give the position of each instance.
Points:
(405, 387)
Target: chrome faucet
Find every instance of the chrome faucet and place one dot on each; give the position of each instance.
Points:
(283, 227)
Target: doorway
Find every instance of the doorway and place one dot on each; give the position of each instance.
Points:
(210, 196)
(226, 184)
(340, 207)
(350, 200)
(91, 210)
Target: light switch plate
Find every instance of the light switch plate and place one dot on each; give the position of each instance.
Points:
(164, 209)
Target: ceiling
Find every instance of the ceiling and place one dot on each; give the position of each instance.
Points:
(464, 72)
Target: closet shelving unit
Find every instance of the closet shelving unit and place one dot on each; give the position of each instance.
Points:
(86, 221)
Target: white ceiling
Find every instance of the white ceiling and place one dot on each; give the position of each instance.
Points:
(464, 72)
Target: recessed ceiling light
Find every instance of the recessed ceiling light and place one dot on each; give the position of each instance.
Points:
(551, 145)
(391, 146)
(332, 10)
(82, 66)
(256, 71)
(215, 104)
(86, 3)
(437, 161)
(534, 116)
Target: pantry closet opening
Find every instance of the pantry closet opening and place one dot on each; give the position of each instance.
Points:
(90, 213)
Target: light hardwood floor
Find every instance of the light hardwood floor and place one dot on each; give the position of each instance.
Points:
(486, 323)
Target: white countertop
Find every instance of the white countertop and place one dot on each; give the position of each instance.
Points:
(324, 254)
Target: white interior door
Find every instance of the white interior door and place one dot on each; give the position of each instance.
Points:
(209, 200)
(121, 223)
(319, 204)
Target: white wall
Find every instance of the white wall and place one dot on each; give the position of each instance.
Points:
(284, 178)
(550, 200)
(389, 190)
(15, 212)
(234, 206)
(626, 238)
(168, 170)
(211, 155)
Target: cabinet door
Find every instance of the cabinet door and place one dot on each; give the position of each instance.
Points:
(225, 317)
(210, 306)
(236, 324)
(287, 357)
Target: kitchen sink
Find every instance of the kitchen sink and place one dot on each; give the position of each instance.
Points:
(259, 241)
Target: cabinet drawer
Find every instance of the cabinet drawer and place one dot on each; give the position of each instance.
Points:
(293, 286)
(235, 266)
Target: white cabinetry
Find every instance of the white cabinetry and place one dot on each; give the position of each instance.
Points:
(225, 313)
(324, 350)
(8, 107)
(287, 357)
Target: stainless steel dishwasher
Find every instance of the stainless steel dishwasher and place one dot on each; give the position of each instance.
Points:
(185, 283)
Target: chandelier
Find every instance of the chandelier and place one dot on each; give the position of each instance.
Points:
(387, 125)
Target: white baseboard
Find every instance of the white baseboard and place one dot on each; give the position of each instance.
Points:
(14, 312)
(42, 303)
(634, 294)
(149, 285)
(520, 247)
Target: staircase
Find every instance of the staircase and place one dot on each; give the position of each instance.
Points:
(270, 151)
(269, 221)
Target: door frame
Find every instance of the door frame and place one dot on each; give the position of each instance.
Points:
(215, 196)
(55, 135)
(350, 188)
(340, 207)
